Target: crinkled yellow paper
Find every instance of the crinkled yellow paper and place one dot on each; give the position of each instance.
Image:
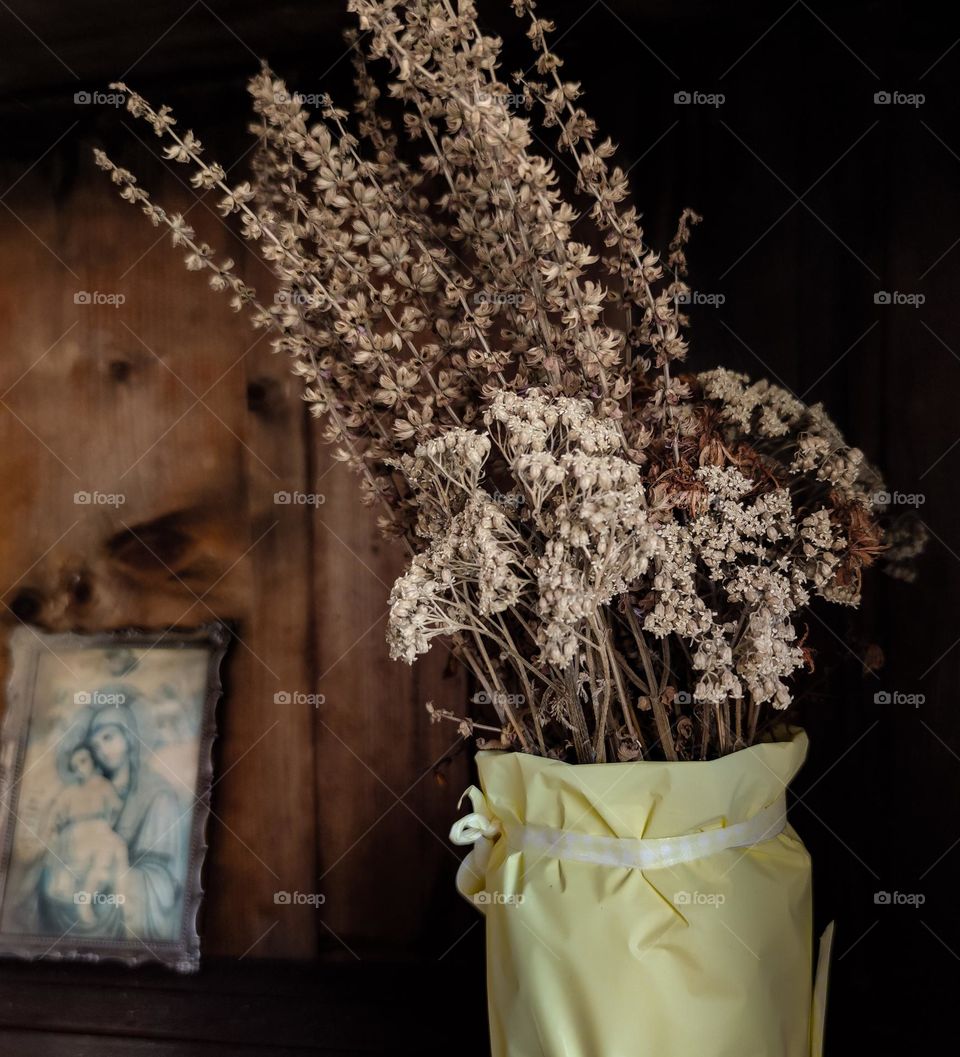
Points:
(709, 958)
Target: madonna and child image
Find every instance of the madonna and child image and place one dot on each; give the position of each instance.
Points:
(104, 803)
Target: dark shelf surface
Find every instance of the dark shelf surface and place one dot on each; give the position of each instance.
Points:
(278, 1009)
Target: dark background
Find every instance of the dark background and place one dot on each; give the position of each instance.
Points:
(815, 199)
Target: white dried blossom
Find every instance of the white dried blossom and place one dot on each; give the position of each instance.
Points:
(469, 572)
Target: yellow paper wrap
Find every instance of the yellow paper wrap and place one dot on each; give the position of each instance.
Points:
(710, 957)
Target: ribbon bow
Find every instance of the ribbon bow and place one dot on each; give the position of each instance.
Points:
(479, 830)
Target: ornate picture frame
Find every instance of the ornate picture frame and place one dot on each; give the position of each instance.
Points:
(106, 772)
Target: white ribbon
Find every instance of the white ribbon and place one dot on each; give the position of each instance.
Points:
(646, 853)
(651, 853)
(470, 828)
(480, 830)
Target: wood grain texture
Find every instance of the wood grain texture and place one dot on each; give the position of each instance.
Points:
(173, 403)
(376, 755)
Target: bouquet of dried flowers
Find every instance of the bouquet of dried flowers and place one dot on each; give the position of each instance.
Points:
(621, 551)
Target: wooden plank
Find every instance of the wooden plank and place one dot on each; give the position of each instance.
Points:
(268, 787)
(368, 1009)
(242, 1020)
(57, 1044)
(198, 515)
(392, 982)
(376, 748)
(111, 408)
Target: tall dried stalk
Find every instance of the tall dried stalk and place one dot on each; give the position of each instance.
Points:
(617, 549)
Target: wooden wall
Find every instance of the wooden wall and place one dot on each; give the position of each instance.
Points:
(174, 403)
